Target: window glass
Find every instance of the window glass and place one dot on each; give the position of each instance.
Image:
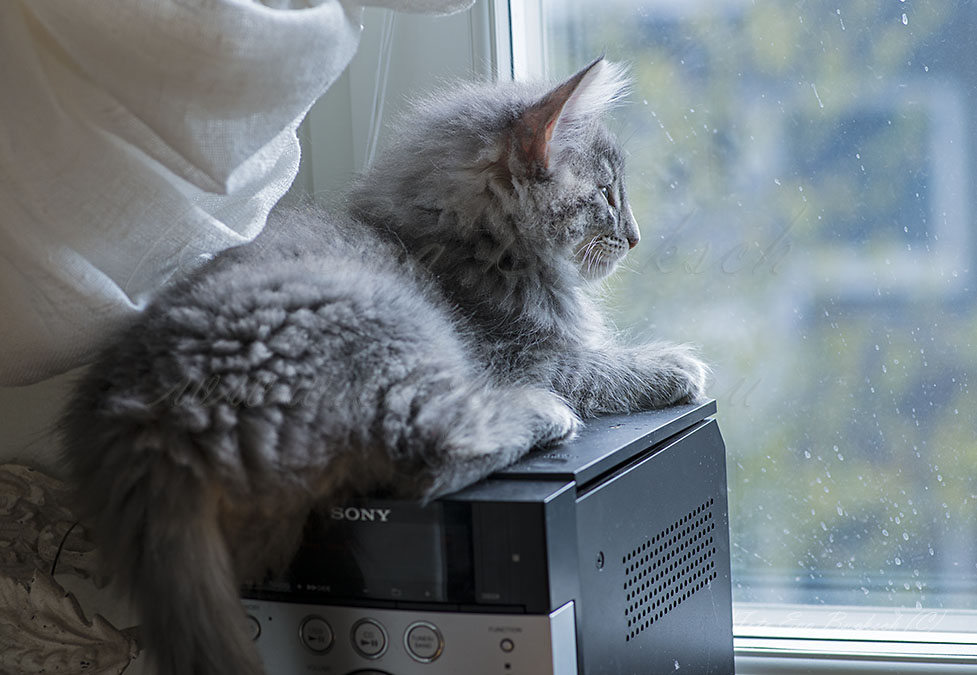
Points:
(802, 175)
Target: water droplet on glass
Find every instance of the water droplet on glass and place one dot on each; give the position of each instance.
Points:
(820, 102)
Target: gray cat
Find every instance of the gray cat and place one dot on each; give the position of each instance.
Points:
(432, 335)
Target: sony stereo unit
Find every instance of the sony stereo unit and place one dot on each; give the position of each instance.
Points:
(605, 555)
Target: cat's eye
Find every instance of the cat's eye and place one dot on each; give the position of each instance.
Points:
(608, 196)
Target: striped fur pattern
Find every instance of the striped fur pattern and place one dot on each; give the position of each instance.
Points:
(432, 334)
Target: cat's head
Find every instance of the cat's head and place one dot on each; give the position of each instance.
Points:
(530, 165)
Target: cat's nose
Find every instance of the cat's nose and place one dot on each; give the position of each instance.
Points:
(631, 225)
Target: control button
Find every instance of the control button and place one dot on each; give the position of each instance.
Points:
(507, 645)
(369, 638)
(254, 628)
(316, 634)
(423, 641)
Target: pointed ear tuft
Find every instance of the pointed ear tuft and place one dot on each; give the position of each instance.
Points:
(602, 85)
(571, 105)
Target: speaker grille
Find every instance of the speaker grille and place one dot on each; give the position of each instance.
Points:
(668, 569)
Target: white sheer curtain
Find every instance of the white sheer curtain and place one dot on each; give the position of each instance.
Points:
(138, 138)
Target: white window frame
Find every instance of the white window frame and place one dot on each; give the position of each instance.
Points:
(399, 55)
(506, 38)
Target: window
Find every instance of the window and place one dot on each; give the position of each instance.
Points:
(802, 175)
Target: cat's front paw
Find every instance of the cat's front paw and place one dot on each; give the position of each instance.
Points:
(555, 421)
(682, 375)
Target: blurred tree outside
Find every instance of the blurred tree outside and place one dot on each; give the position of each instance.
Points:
(800, 172)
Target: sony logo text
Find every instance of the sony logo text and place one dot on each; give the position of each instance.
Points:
(354, 513)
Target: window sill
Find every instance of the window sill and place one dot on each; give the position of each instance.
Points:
(789, 639)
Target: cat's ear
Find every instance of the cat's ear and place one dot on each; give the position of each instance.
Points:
(573, 104)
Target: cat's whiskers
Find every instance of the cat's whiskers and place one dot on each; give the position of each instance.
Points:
(628, 264)
(598, 259)
(590, 255)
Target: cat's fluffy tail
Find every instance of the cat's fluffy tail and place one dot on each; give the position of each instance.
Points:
(186, 587)
(158, 527)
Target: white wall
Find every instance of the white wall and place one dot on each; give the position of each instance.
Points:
(399, 55)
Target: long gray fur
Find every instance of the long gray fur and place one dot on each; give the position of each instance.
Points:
(433, 334)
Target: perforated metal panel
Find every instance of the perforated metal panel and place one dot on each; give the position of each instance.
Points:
(662, 596)
(668, 568)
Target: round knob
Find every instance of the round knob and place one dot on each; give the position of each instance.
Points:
(316, 634)
(423, 641)
(369, 638)
(254, 627)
